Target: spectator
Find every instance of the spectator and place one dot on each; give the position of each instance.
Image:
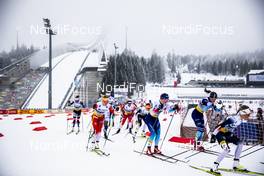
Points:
(259, 114)
(260, 125)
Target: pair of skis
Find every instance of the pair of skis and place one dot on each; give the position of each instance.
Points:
(133, 135)
(97, 151)
(100, 152)
(211, 152)
(207, 170)
(163, 157)
(72, 131)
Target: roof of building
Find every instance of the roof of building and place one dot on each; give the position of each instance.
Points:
(256, 71)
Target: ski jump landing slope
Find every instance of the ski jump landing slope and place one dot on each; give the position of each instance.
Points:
(65, 68)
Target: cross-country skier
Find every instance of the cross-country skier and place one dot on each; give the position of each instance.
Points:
(152, 121)
(128, 111)
(224, 134)
(117, 116)
(102, 112)
(77, 110)
(141, 113)
(204, 106)
(109, 120)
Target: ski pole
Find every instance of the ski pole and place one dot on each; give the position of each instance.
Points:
(90, 135)
(144, 146)
(82, 122)
(107, 135)
(67, 128)
(89, 123)
(207, 134)
(167, 131)
(148, 137)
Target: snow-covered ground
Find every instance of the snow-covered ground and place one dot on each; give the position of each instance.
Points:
(51, 152)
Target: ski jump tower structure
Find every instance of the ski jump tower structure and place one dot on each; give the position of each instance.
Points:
(91, 74)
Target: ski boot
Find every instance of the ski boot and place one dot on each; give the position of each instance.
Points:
(97, 145)
(200, 149)
(156, 150)
(214, 169)
(71, 131)
(149, 152)
(143, 134)
(105, 135)
(130, 130)
(92, 146)
(118, 131)
(198, 146)
(238, 167)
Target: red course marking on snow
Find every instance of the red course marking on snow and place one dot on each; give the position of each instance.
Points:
(164, 119)
(70, 118)
(148, 134)
(181, 140)
(35, 122)
(40, 128)
(1, 135)
(29, 116)
(47, 116)
(18, 119)
(1, 118)
(69, 114)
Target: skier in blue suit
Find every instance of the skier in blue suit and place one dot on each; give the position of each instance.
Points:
(152, 120)
(197, 115)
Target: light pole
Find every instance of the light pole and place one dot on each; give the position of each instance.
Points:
(115, 67)
(50, 32)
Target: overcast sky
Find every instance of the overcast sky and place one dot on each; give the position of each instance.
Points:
(184, 26)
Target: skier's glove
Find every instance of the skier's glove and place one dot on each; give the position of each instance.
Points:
(213, 139)
(205, 101)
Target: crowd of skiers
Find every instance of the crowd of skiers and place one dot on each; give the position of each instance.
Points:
(146, 114)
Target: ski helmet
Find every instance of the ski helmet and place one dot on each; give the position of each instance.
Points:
(164, 96)
(129, 100)
(213, 95)
(148, 106)
(105, 99)
(77, 98)
(244, 110)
